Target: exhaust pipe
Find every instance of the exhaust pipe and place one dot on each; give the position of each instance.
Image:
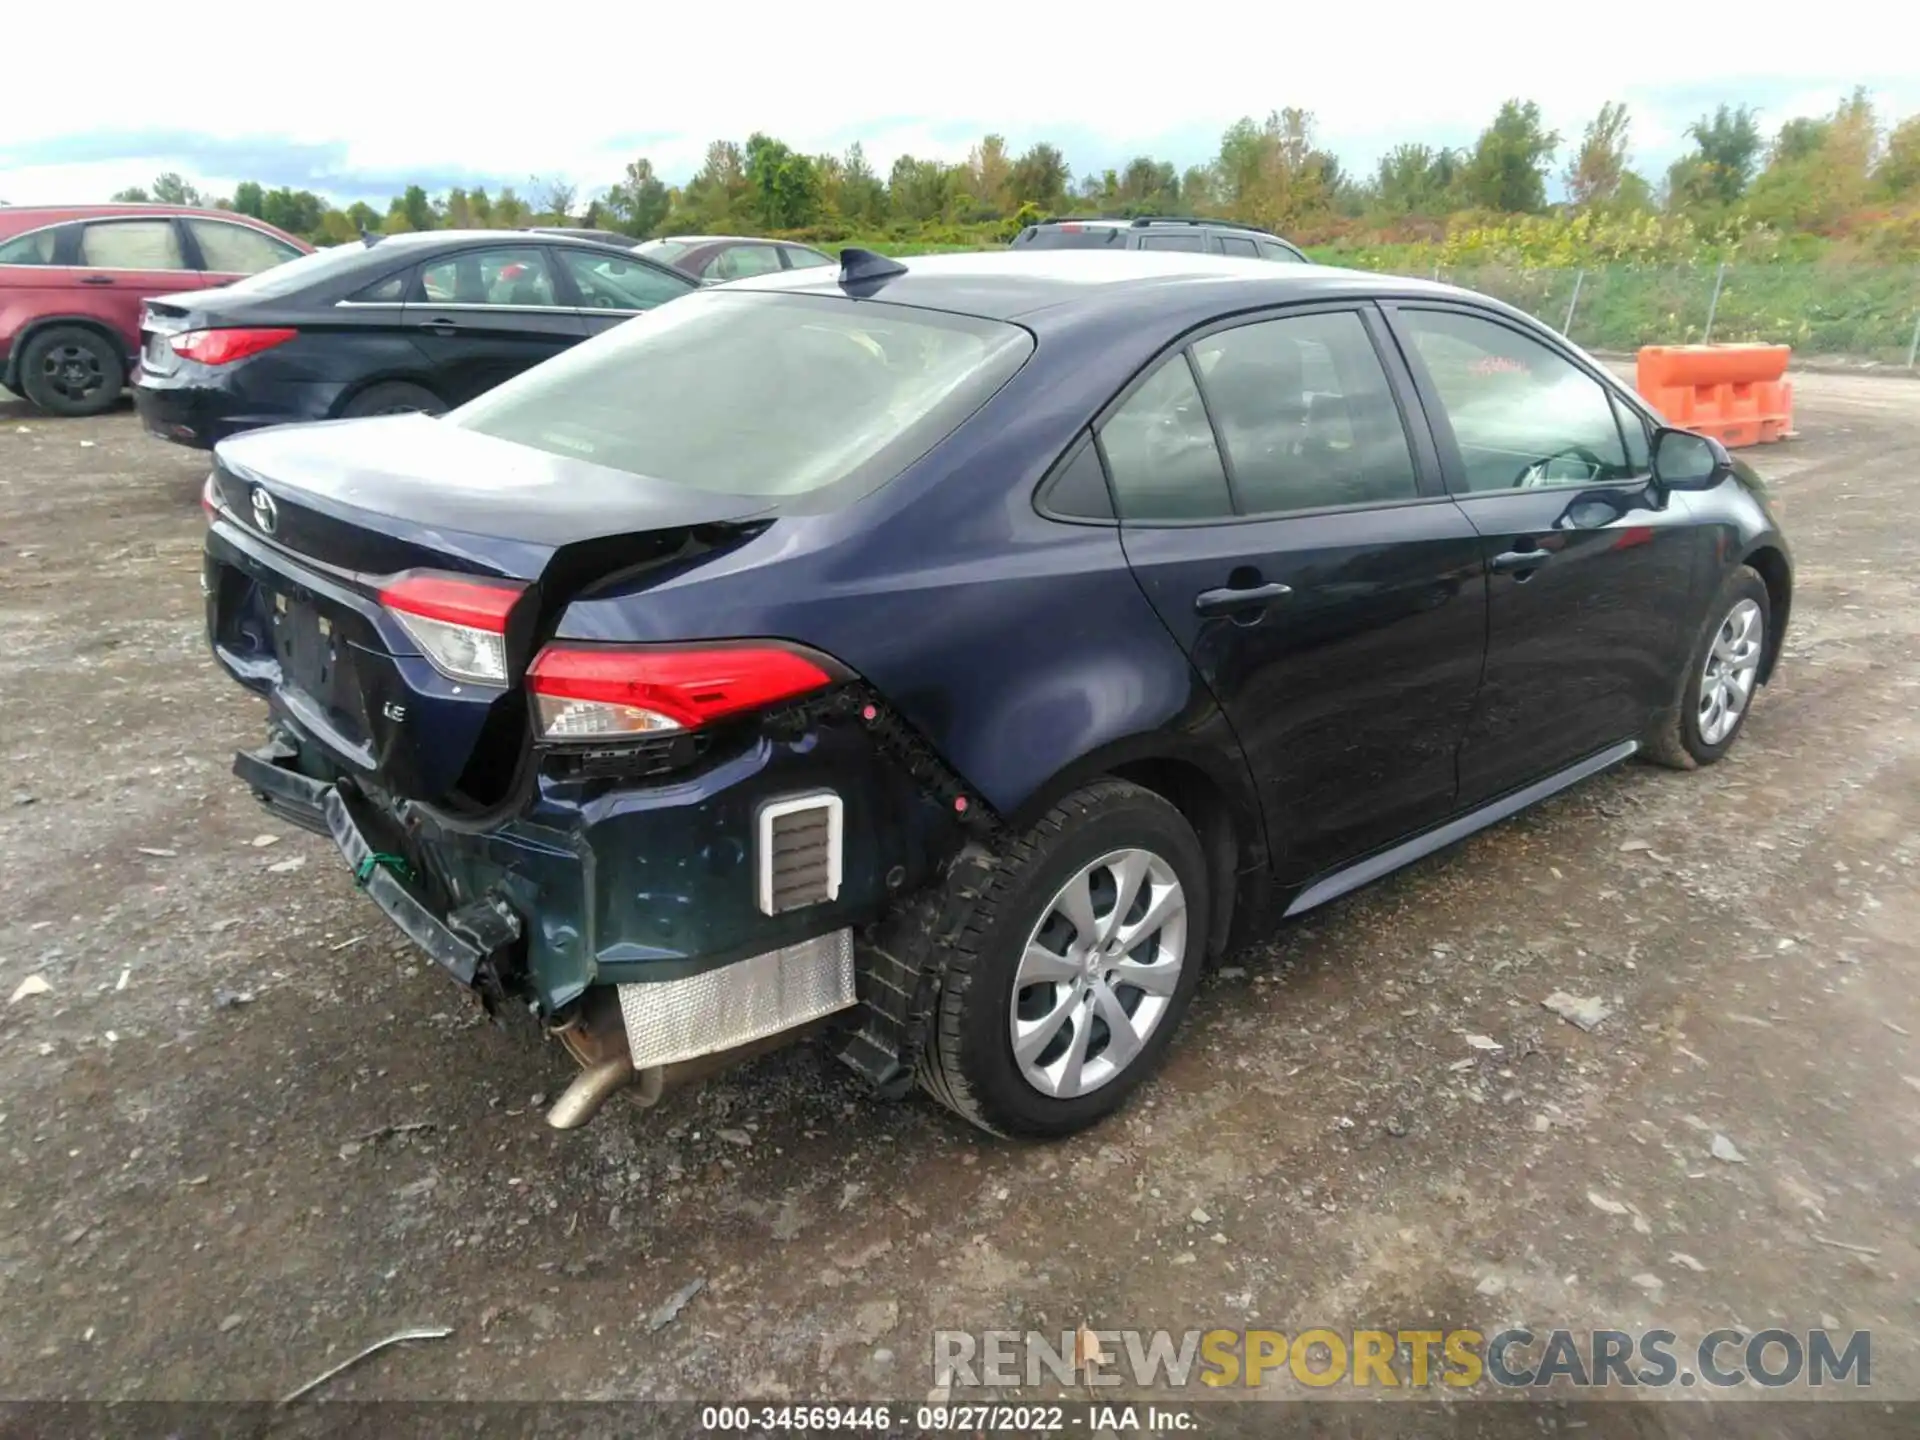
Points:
(597, 1038)
(595, 1085)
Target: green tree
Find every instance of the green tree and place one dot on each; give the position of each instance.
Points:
(785, 185)
(639, 201)
(1271, 174)
(1598, 167)
(416, 207)
(554, 199)
(132, 195)
(1040, 177)
(456, 211)
(172, 189)
(1898, 173)
(862, 197)
(298, 212)
(1417, 180)
(1149, 187)
(990, 174)
(1507, 168)
(337, 228)
(1819, 169)
(363, 216)
(480, 206)
(249, 199)
(1717, 171)
(919, 190)
(509, 211)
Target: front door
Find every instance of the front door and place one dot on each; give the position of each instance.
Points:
(483, 316)
(1291, 530)
(611, 288)
(1590, 564)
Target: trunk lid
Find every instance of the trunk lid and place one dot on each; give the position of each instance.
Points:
(326, 516)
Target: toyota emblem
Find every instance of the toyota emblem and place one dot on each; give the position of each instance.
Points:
(266, 514)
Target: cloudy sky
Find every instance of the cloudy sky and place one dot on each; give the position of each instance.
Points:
(355, 102)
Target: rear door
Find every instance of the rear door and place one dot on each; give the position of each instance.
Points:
(610, 288)
(1289, 525)
(484, 315)
(113, 266)
(1590, 566)
(228, 251)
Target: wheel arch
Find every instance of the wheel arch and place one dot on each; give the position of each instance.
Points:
(360, 387)
(1219, 804)
(40, 324)
(1770, 562)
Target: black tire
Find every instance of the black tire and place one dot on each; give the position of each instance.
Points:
(969, 1064)
(72, 371)
(1677, 740)
(393, 397)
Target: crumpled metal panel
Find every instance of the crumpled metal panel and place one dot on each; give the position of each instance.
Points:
(673, 1020)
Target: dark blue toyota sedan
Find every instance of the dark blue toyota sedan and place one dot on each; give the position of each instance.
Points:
(958, 655)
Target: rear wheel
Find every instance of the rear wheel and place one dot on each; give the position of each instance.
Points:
(70, 371)
(393, 397)
(1063, 990)
(1722, 677)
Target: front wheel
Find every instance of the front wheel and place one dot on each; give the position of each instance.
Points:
(1723, 674)
(1063, 990)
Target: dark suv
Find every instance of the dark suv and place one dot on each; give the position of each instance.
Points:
(1158, 232)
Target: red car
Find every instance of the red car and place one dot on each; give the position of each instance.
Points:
(72, 280)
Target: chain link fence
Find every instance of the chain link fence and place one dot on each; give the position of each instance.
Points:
(1862, 313)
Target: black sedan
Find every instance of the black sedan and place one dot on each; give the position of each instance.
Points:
(408, 322)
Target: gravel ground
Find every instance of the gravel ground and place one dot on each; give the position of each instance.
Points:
(246, 1132)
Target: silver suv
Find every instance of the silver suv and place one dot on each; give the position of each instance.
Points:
(1158, 232)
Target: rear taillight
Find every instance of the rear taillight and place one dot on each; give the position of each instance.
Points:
(460, 625)
(608, 692)
(223, 347)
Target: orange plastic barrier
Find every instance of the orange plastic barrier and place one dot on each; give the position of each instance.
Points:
(1739, 394)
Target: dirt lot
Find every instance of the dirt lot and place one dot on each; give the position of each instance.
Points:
(245, 1132)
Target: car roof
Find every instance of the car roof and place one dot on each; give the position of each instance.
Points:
(1053, 286)
(17, 218)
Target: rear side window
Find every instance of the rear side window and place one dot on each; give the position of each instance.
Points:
(1237, 245)
(1303, 408)
(800, 258)
(736, 262)
(36, 247)
(606, 282)
(131, 245)
(1523, 415)
(1271, 251)
(1194, 242)
(1160, 452)
(758, 394)
(230, 249)
(390, 291)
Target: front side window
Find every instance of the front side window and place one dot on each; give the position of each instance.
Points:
(1303, 407)
(1195, 242)
(1523, 415)
(230, 249)
(608, 283)
(1160, 452)
(1236, 245)
(736, 262)
(743, 393)
(131, 245)
(511, 275)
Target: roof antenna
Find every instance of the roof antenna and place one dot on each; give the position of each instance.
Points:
(864, 267)
(368, 238)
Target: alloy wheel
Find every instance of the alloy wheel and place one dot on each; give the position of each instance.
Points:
(73, 371)
(1098, 973)
(1733, 665)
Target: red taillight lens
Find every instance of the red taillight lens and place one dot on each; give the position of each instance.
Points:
(608, 692)
(460, 625)
(223, 347)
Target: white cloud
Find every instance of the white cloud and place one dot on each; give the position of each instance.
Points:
(414, 88)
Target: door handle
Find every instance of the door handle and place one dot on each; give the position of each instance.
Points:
(96, 280)
(442, 326)
(1228, 601)
(1523, 562)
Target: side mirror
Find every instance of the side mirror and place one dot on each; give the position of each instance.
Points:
(1683, 460)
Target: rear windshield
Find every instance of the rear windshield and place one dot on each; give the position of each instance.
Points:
(664, 250)
(1072, 237)
(758, 394)
(291, 275)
